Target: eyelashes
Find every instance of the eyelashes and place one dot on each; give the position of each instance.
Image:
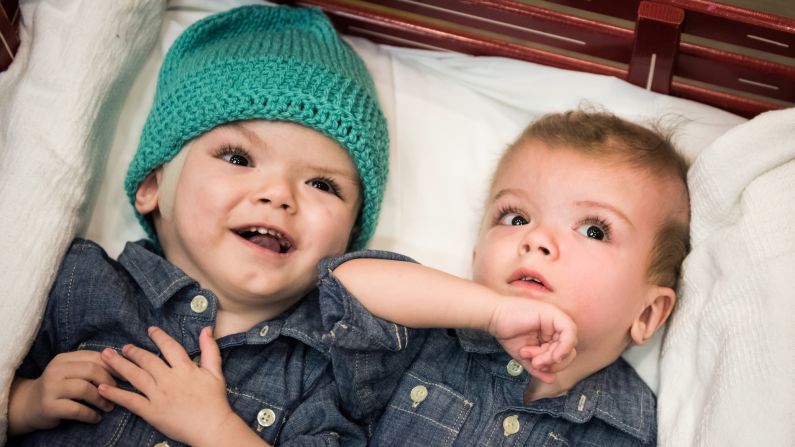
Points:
(592, 227)
(234, 155)
(516, 215)
(595, 227)
(326, 184)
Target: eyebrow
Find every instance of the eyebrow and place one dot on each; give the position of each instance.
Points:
(237, 126)
(507, 191)
(606, 206)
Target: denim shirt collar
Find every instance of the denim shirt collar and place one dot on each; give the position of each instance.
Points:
(158, 278)
(160, 281)
(615, 394)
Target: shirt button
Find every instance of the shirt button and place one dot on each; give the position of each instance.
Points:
(263, 331)
(198, 304)
(514, 368)
(510, 424)
(162, 444)
(418, 394)
(266, 417)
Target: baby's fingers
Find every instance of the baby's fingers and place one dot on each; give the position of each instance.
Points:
(73, 410)
(531, 351)
(173, 352)
(565, 338)
(211, 355)
(95, 373)
(132, 401)
(81, 390)
(128, 370)
(548, 363)
(544, 376)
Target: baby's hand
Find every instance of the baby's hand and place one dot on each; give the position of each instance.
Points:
(68, 383)
(183, 400)
(541, 337)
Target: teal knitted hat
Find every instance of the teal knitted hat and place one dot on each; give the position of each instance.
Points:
(275, 63)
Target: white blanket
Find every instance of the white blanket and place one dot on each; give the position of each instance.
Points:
(728, 359)
(57, 127)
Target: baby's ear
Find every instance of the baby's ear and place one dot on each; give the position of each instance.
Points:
(659, 304)
(146, 198)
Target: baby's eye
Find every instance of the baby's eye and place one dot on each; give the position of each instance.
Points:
(237, 160)
(235, 156)
(512, 218)
(324, 184)
(595, 229)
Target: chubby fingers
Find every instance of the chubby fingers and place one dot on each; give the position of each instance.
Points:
(74, 410)
(566, 337)
(134, 402)
(210, 353)
(172, 351)
(544, 376)
(87, 365)
(138, 376)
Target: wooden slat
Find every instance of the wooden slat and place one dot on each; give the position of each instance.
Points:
(527, 22)
(711, 20)
(739, 105)
(9, 40)
(739, 26)
(384, 27)
(654, 55)
(735, 71)
(622, 9)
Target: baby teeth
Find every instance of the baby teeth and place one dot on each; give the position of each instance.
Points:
(262, 230)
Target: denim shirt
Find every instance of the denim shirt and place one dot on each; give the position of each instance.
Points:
(459, 388)
(278, 375)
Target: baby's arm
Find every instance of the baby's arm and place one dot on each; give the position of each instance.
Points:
(417, 296)
(183, 400)
(68, 382)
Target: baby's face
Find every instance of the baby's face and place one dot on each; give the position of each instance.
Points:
(575, 231)
(257, 205)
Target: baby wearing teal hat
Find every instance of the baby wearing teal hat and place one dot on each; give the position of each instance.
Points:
(264, 152)
(274, 64)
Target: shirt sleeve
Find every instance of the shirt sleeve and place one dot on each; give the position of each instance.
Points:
(369, 354)
(46, 344)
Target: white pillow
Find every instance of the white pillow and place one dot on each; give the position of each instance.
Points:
(450, 116)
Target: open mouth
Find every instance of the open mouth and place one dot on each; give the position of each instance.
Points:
(266, 238)
(533, 280)
(530, 279)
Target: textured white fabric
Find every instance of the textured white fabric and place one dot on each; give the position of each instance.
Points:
(728, 359)
(60, 101)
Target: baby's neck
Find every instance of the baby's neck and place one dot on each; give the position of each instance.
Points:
(228, 324)
(234, 318)
(566, 380)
